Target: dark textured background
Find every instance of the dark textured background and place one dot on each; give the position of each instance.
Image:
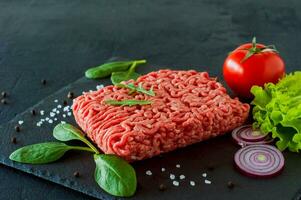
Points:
(58, 39)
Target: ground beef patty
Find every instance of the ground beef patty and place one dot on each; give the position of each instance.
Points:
(189, 107)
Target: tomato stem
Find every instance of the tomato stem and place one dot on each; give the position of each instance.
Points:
(255, 50)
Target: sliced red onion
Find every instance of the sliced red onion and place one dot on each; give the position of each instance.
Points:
(246, 135)
(259, 161)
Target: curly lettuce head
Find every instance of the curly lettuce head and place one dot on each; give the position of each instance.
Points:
(277, 110)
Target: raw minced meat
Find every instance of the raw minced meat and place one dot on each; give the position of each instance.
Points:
(188, 107)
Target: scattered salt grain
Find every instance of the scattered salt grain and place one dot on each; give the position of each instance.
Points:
(69, 113)
(50, 121)
(204, 175)
(56, 100)
(55, 119)
(42, 112)
(64, 115)
(176, 183)
(148, 172)
(52, 114)
(63, 122)
(163, 169)
(172, 176)
(207, 181)
(20, 122)
(99, 86)
(182, 177)
(192, 183)
(66, 108)
(178, 166)
(59, 106)
(57, 112)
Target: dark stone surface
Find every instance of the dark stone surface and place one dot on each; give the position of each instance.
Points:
(58, 40)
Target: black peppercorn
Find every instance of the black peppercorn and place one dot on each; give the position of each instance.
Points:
(33, 112)
(3, 94)
(43, 81)
(14, 140)
(17, 128)
(162, 187)
(3, 101)
(230, 184)
(70, 95)
(76, 174)
(65, 103)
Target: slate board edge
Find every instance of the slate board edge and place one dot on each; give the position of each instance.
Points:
(5, 161)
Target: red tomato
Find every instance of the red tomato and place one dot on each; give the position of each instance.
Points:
(263, 66)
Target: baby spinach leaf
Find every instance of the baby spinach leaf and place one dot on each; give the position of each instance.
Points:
(118, 77)
(115, 175)
(67, 132)
(40, 153)
(128, 102)
(107, 69)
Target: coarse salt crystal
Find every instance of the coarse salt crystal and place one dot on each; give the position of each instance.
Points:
(42, 112)
(64, 115)
(176, 183)
(38, 124)
(63, 122)
(99, 86)
(163, 169)
(20, 122)
(50, 121)
(148, 172)
(47, 118)
(54, 109)
(172, 176)
(182, 177)
(57, 112)
(69, 113)
(66, 108)
(59, 106)
(204, 175)
(52, 114)
(207, 181)
(178, 166)
(192, 183)
(56, 100)
(55, 119)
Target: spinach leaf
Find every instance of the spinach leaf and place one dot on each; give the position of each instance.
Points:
(43, 153)
(107, 69)
(118, 77)
(40, 153)
(67, 132)
(128, 102)
(115, 175)
(133, 88)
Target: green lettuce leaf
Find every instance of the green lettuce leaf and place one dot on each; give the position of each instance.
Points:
(277, 110)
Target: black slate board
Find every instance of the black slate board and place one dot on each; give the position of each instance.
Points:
(194, 161)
